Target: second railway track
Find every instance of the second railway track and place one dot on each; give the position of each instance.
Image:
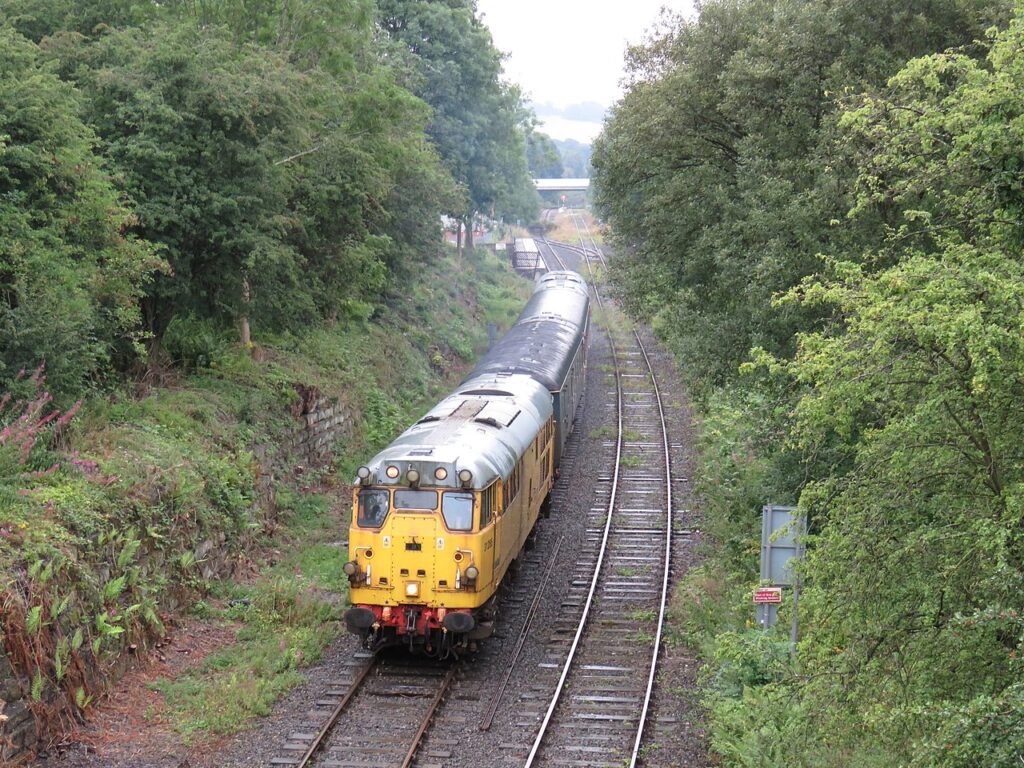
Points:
(607, 644)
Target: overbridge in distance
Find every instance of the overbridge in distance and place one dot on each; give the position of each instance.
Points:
(562, 185)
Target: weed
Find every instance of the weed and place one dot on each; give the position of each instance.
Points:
(625, 571)
(644, 614)
(644, 637)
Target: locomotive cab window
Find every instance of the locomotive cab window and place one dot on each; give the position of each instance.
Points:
(425, 501)
(457, 509)
(488, 504)
(373, 507)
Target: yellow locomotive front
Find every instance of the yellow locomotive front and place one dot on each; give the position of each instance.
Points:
(440, 514)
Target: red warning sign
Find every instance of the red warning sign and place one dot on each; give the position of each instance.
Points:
(768, 595)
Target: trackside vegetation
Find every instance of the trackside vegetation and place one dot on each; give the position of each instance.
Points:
(124, 512)
(209, 211)
(826, 227)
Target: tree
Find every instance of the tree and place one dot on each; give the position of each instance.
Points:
(70, 277)
(916, 576)
(575, 158)
(542, 156)
(718, 170)
(477, 122)
(274, 191)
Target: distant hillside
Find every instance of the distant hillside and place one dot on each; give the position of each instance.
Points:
(575, 158)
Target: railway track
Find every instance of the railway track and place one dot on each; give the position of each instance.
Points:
(588, 702)
(607, 643)
(377, 713)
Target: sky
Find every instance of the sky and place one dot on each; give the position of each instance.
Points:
(568, 55)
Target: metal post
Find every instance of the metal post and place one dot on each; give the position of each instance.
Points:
(794, 625)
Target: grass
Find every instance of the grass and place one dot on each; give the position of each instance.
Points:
(625, 571)
(631, 462)
(286, 619)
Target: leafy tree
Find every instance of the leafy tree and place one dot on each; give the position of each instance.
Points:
(718, 170)
(917, 574)
(275, 192)
(575, 158)
(477, 123)
(70, 277)
(542, 156)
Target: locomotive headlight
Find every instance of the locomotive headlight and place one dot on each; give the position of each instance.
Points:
(465, 476)
(441, 473)
(391, 472)
(412, 589)
(472, 572)
(413, 476)
(350, 568)
(363, 473)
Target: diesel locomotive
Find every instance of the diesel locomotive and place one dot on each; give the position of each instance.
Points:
(441, 513)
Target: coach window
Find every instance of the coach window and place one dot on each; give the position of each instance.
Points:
(457, 509)
(416, 501)
(373, 507)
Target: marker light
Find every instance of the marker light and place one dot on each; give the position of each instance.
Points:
(441, 473)
(350, 568)
(368, 554)
(472, 572)
(412, 589)
(363, 473)
(413, 476)
(391, 472)
(458, 557)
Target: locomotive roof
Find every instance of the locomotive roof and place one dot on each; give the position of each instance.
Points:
(544, 339)
(484, 426)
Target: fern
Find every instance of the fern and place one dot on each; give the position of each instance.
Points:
(38, 683)
(186, 560)
(81, 699)
(128, 552)
(56, 609)
(58, 665)
(33, 621)
(105, 628)
(113, 588)
(76, 640)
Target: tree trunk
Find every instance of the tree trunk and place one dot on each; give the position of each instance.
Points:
(469, 232)
(458, 238)
(244, 331)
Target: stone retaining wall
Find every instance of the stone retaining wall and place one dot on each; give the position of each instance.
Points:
(322, 424)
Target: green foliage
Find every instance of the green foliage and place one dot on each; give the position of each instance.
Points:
(478, 123)
(868, 248)
(286, 620)
(70, 279)
(719, 172)
(575, 158)
(542, 156)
